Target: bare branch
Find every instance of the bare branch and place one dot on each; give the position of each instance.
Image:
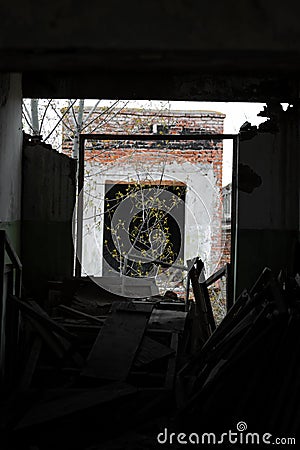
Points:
(99, 115)
(74, 116)
(27, 121)
(110, 118)
(34, 116)
(91, 112)
(78, 129)
(61, 120)
(26, 109)
(44, 115)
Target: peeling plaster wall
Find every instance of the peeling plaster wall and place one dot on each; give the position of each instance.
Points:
(10, 155)
(202, 210)
(49, 189)
(268, 211)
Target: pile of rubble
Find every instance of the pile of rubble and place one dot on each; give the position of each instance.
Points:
(98, 371)
(92, 365)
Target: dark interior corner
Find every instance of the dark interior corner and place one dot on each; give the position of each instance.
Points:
(85, 362)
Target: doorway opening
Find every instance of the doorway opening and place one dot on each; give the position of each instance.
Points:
(153, 225)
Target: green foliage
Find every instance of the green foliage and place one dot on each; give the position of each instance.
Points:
(149, 231)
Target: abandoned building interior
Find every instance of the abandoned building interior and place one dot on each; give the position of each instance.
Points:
(144, 303)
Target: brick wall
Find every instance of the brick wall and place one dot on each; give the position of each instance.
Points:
(136, 121)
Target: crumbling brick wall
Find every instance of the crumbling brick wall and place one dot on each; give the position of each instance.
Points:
(137, 121)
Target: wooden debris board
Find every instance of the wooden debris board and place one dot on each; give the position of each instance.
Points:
(31, 363)
(57, 339)
(74, 402)
(118, 341)
(151, 350)
(50, 339)
(167, 320)
(80, 314)
(173, 306)
(37, 313)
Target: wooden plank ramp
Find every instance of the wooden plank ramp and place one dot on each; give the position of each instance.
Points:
(115, 348)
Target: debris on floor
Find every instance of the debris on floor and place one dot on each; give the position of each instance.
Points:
(98, 371)
(248, 370)
(92, 362)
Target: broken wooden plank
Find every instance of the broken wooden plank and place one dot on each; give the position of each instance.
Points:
(142, 307)
(216, 276)
(49, 338)
(58, 335)
(200, 313)
(75, 313)
(151, 350)
(75, 402)
(42, 318)
(118, 341)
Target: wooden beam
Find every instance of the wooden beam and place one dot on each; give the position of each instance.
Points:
(216, 276)
(42, 318)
